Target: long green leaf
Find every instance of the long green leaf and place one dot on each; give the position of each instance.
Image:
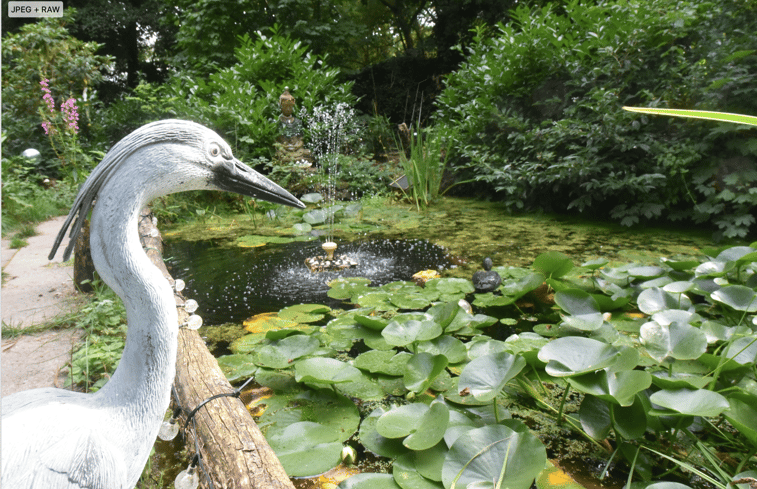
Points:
(698, 114)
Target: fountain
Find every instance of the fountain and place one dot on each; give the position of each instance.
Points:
(327, 132)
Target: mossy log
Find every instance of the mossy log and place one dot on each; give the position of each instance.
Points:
(234, 451)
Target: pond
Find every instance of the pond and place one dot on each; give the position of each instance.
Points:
(563, 361)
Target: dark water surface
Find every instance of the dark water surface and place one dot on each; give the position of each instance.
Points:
(232, 284)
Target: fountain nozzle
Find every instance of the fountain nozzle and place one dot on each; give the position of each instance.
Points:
(329, 247)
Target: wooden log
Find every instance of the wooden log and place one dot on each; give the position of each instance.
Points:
(234, 451)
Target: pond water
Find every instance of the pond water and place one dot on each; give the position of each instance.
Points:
(234, 283)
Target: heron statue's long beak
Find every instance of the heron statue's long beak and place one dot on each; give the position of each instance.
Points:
(235, 176)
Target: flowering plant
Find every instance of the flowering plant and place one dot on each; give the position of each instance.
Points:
(61, 128)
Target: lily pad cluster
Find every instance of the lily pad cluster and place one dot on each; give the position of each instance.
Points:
(662, 358)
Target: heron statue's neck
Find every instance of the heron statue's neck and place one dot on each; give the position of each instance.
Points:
(140, 388)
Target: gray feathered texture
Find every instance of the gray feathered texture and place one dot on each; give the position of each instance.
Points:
(165, 131)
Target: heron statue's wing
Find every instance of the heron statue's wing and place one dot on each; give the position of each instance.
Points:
(157, 132)
(35, 456)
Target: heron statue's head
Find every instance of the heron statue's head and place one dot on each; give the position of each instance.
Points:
(166, 157)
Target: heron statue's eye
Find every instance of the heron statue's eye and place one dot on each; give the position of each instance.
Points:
(214, 150)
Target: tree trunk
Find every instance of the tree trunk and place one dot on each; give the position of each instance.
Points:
(234, 452)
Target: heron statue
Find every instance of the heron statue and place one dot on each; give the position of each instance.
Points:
(54, 438)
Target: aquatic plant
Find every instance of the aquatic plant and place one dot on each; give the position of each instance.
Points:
(657, 359)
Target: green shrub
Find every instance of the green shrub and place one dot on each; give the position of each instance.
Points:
(538, 106)
(242, 101)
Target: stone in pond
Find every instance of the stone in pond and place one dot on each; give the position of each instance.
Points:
(486, 280)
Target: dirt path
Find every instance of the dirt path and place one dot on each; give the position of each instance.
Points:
(34, 291)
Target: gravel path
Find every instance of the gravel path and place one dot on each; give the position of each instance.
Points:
(34, 291)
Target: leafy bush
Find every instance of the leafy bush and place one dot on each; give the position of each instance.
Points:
(40, 50)
(538, 107)
(242, 101)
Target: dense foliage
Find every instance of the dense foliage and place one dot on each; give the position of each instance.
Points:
(538, 105)
(242, 101)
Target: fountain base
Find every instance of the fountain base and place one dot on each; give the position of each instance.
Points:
(329, 264)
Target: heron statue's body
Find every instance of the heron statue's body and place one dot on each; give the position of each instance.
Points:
(54, 438)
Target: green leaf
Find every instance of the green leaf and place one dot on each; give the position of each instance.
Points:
(401, 421)
(594, 415)
(698, 114)
(505, 455)
(553, 264)
(371, 322)
(583, 309)
(738, 297)
(574, 355)
(403, 333)
(487, 375)
(654, 300)
(690, 402)
(680, 341)
(306, 448)
(386, 362)
(325, 371)
(431, 429)
(422, 369)
(282, 353)
(743, 416)
(377, 443)
(446, 345)
(406, 475)
(369, 480)
(235, 367)
(617, 387)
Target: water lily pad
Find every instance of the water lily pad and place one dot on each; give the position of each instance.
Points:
(403, 333)
(431, 428)
(502, 455)
(407, 476)
(282, 353)
(238, 366)
(429, 462)
(386, 362)
(304, 313)
(487, 375)
(347, 287)
(743, 416)
(446, 345)
(655, 299)
(377, 443)
(583, 309)
(325, 371)
(306, 448)
(267, 321)
(312, 198)
(595, 263)
(594, 415)
(324, 407)
(450, 288)
(371, 322)
(553, 264)
(422, 369)
(401, 421)
(743, 350)
(483, 345)
(316, 216)
(645, 272)
(302, 228)
(445, 313)
(574, 355)
(689, 402)
(680, 341)
(617, 387)
(413, 301)
(466, 324)
(247, 343)
(738, 297)
(369, 480)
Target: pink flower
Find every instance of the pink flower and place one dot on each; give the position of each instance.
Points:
(71, 114)
(47, 97)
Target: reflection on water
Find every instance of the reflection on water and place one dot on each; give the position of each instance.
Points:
(232, 284)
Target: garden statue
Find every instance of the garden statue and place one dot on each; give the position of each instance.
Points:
(55, 438)
(290, 147)
(486, 280)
